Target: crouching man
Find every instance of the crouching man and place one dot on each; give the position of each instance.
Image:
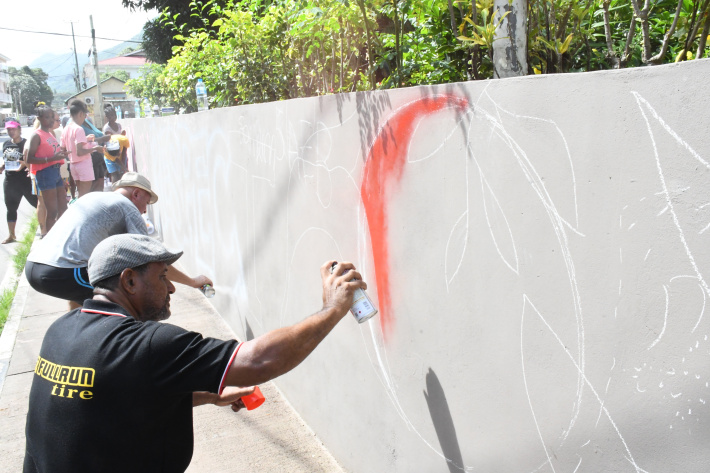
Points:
(113, 388)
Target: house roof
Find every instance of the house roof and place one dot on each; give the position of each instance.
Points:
(137, 53)
(123, 61)
(93, 87)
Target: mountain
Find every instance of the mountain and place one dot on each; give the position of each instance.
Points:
(60, 67)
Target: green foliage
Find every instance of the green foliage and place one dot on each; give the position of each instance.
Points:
(29, 86)
(6, 298)
(19, 260)
(148, 85)
(122, 75)
(25, 245)
(263, 50)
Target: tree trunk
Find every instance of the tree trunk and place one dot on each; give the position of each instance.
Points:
(658, 58)
(703, 37)
(361, 4)
(397, 47)
(642, 15)
(629, 38)
(453, 18)
(613, 60)
(510, 44)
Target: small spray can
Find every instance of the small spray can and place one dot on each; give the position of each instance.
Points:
(208, 291)
(361, 308)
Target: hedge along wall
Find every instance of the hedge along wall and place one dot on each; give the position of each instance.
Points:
(537, 247)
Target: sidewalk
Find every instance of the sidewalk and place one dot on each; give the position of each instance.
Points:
(271, 438)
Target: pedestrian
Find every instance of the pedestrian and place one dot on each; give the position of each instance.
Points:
(41, 209)
(112, 127)
(57, 265)
(97, 157)
(115, 155)
(17, 182)
(79, 147)
(113, 389)
(45, 157)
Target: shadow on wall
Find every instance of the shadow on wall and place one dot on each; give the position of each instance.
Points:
(370, 106)
(248, 331)
(443, 423)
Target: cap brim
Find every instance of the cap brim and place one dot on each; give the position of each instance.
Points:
(172, 258)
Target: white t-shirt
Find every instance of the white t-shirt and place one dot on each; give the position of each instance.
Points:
(87, 222)
(114, 131)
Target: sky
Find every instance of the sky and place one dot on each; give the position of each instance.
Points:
(111, 20)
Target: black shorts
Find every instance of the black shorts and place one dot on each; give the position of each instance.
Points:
(71, 284)
(97, 160)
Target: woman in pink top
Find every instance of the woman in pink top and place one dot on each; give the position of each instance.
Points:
(45, 158)
(79, 147)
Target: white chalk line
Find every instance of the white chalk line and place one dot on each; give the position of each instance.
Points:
(665, 321)
(525, 383)
(669, 202)
(587, 382)
(535, 182)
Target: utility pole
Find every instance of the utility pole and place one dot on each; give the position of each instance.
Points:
(76, 60)
(98, 118)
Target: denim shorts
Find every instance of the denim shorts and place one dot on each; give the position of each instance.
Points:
(49, 178)
(112, 166)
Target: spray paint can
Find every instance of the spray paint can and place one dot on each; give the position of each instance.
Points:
(362, 307)
(208, 291)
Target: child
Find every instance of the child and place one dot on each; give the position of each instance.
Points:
(115, 154)
(112, 127)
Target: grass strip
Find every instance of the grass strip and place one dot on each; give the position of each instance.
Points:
(18, 259)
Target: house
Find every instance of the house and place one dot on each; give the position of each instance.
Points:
(5, 98)
(112, 92)
(131, 63)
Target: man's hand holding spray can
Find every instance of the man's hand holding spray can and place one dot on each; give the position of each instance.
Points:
(362, 307)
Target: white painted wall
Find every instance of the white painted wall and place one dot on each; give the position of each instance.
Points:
(547, 254)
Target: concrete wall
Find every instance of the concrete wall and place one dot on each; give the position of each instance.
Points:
(538, 248)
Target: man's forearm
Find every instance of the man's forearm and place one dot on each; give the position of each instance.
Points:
(175, 275)
(279, 351)
(202, 398)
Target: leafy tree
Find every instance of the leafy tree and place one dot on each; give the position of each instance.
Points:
(29, 86)
(120, 74)
(178, 17)
(148, 85)
(260, 50)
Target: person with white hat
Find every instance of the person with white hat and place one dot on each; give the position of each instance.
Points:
(57, 265)
(113, 389)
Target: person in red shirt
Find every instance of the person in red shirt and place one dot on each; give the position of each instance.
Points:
(45, 157)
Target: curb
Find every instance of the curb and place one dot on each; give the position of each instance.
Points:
(9, 333)
(12, 325)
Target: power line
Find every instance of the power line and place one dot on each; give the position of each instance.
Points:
(65, 34)
(64, 62)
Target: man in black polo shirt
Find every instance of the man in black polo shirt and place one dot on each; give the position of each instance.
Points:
(113, 389)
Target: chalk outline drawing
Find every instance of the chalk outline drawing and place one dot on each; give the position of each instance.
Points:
(298, 169)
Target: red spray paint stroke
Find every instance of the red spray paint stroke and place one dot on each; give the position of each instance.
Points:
(383, 170)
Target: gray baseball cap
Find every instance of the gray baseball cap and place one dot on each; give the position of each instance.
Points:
(128, 250)
(134, 179)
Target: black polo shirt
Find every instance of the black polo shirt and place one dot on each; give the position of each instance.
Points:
(113, 394)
